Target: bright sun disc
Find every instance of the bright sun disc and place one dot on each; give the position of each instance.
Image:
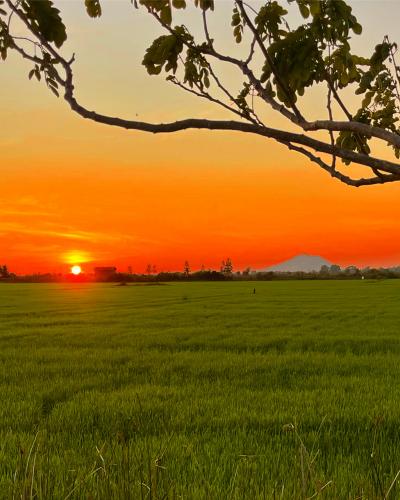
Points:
(76, 270)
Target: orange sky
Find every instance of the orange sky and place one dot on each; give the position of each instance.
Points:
(79, 192)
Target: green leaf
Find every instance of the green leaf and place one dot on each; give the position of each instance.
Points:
(357, 28)
(179, 4)
(269, 19)
(54, 90)
(304, 11)
(45, 19)
(166, 15)
(93, 8)
(164, 50)
(204, 4)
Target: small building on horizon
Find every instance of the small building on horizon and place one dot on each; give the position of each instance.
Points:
(104, 273)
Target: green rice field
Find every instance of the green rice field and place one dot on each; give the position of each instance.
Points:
(200, 390)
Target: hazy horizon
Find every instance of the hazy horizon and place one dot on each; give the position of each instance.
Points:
(89, 267)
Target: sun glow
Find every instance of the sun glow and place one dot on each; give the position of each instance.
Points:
(76, 257)
(76, 270)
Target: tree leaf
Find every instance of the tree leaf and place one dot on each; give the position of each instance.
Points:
(93, 8)
(357, 28)
(45, 19)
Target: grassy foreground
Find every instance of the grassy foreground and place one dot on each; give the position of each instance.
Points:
(200, 390)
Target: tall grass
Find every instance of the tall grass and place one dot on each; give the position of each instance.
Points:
(200, 390)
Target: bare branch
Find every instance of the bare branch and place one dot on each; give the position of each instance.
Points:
(205, 95)
(332, 137)
(357, 127)
(205, 26)
(23, 53)
(191, 123)
(396, 68)
(251, 53)
(338, 98)
(219, 84)
(213, 74)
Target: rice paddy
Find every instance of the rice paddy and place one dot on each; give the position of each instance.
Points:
(200, 390)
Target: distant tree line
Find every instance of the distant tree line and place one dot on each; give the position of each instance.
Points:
(225, 273)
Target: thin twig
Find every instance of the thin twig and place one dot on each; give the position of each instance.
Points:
(252, 50)
(330, 114)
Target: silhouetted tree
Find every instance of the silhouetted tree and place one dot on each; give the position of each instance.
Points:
(227, 266)
(281, 64)
(186, 269)
(334, 269)
(324, 269)
(352, 271)
(4, 273)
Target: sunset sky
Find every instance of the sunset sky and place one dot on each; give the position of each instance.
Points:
(77, 192)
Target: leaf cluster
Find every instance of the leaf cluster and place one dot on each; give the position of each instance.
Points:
(241, 100)
(269, 21)
(238, 25)
(196, 69)
(299, 56)
(45, 20)
(380, 105)
(46, 69)
(332, 19)
(164, 53)
(5, 40)
(163, 8)
(167, 51)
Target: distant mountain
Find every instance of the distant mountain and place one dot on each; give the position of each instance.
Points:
(305, 263)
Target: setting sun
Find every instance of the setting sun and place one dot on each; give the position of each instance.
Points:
(76, 270)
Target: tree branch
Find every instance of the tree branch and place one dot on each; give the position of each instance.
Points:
(206, 95)
(338, 175)
(357, 127)
(294, 141)
(268, 58)
(251, 52)
(243, 66)
(205, 27)
(193, 123)
(42, 41)
(330, 113)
